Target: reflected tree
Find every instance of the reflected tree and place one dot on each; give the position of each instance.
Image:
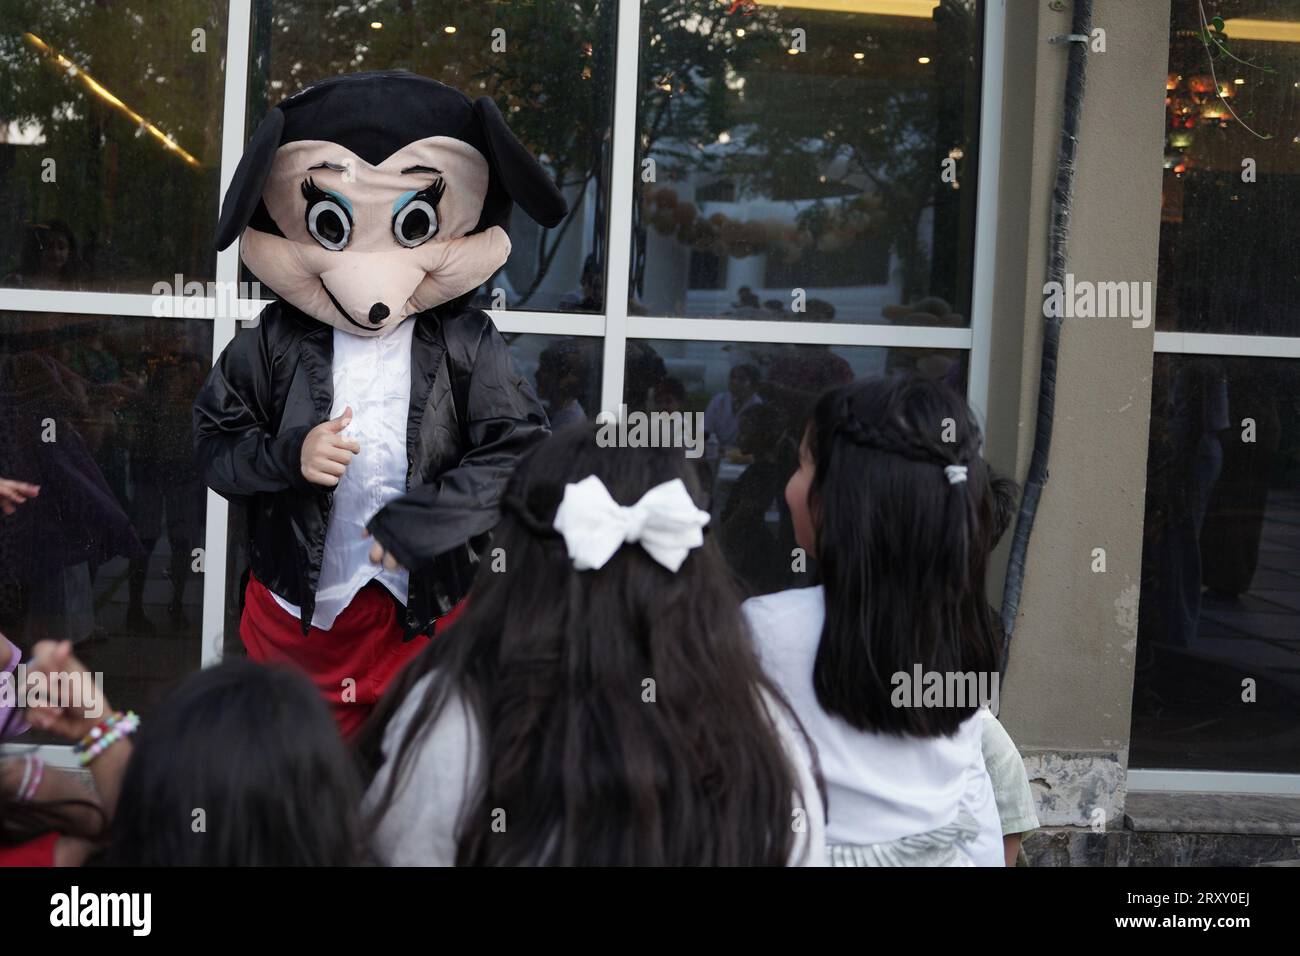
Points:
(96, 86)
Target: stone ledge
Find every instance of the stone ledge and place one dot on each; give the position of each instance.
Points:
(1072, 846)
(1253, 814)
(1076, 788)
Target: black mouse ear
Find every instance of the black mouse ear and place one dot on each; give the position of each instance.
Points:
(250, 178)
(522, 176)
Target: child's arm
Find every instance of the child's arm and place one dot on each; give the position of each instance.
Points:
(72, 723)
(233, 446)
(76, 801)
(504, 418)
(1011, 789)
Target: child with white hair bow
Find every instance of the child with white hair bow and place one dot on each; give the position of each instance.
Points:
(599, 702)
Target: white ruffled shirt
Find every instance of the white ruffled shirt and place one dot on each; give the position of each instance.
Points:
(372, 374)
(878, 787)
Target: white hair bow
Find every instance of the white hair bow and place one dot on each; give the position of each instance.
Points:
(665, 522)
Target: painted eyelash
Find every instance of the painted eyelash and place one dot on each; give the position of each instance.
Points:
(432, 194)
(313, 194)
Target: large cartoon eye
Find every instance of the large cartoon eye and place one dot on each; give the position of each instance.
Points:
(328, 219)
(415, 214)
(415, 222)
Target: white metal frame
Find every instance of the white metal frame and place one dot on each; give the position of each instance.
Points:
(1208, 343)
(615, 327)
(986, 208)
(1213, 781)
(238, 38)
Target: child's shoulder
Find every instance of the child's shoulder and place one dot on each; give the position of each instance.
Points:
(786, 615)
(792, 601)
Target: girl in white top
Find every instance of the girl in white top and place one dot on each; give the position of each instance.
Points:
(892, 499)
(598, 702)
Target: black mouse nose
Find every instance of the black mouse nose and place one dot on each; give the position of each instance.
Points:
(378, 312)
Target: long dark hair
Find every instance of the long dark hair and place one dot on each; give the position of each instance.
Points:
(553, 664)
(902, 551)
(241, 766)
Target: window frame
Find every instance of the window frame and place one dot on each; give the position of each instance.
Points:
(1150, 779)
(614, 326)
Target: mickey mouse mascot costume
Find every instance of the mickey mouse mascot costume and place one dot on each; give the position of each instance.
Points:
(372, 419)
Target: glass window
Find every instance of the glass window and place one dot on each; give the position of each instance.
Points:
(110, 142)
(1218, 673)
(108, 555)
(827, 148)
(548, 66)
(755, 399)
(1229, 246)
(565, 371)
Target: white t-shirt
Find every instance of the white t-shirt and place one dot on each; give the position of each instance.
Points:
(372, 374)
(879, 787)
(419, 828)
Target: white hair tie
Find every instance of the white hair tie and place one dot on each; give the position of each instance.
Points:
(956, 473)
(665, 522)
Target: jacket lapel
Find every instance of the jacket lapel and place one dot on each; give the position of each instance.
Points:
(427, 350)
(317, 351)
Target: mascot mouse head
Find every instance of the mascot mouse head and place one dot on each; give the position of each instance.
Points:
(367, 198)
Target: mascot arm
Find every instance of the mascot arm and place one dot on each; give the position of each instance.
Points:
(236, 452)
(504, 419)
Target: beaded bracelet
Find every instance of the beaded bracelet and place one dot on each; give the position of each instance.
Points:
(97, 731)
(33, 773)
(103, 735)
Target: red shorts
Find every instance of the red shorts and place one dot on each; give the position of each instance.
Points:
(364, 648)
(38, 852)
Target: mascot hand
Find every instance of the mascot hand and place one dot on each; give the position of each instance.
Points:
(326, 454)
(381, 555)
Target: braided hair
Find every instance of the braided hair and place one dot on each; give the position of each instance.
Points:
(902, 512)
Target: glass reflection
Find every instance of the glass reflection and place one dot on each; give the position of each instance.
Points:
(1231, 196)
(565, 371)
(548, 66)
(109, 554)
(110, 142)
(1218, 674)
(755, 399)
(793, 152)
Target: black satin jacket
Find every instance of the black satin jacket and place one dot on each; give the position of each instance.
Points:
(472, 416)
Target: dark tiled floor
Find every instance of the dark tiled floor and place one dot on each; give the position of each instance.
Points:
(1188, 712)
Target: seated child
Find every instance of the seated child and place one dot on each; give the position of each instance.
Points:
(241, 766)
